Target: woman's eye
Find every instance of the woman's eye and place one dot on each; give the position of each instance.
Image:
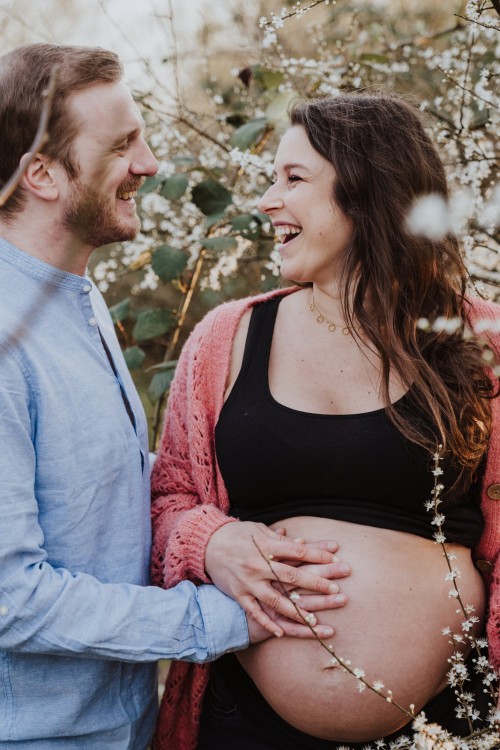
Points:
(294, 178)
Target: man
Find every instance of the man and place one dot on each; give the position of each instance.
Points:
(80, 629)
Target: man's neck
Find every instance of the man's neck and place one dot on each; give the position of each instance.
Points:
(57, 248)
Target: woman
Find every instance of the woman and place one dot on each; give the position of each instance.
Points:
(318, 409)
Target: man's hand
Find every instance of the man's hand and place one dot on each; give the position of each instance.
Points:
(284, 626)
(242, 559)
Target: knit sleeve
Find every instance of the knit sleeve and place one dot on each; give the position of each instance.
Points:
(186, 493)
(485, 319)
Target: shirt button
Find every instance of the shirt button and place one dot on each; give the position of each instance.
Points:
(485, 566)
(87, 288)
(92, 322)
(493, 491)
(3, 609)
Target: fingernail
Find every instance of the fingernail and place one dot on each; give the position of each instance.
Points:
(333, 588)
(335, 558)
(324, 631)
(340, 599)
(277, 634)
(344, 568)
(332, 545)
(299, 540)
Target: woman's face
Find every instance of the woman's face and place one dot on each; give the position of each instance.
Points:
(311, 228)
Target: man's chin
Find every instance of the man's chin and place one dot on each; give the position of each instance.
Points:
(120, 233)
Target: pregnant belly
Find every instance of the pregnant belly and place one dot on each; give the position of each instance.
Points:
(391, 628)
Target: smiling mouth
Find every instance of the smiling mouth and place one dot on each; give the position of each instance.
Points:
(127, 196)
(287, 233)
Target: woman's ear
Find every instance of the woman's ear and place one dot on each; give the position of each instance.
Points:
(40, 177)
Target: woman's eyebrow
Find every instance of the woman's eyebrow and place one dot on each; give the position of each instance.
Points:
(289, 167)
(295, 165)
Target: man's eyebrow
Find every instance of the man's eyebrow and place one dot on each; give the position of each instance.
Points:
(128, 134)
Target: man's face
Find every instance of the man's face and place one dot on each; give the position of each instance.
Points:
(114, 159)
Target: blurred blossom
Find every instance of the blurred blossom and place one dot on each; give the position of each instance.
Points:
(461, 208)
(489, 216)
(429, 217)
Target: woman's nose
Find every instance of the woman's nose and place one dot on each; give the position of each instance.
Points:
(271, 200)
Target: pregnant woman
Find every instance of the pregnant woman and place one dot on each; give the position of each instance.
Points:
(318, 409)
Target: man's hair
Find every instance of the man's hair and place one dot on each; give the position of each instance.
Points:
(24, 75)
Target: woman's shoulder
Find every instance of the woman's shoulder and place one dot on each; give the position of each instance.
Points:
(224, 319)
(484, 319)
(482, 309)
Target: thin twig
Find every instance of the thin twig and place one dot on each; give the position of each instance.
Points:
(173, 343)
(470, 91)
(479, 23)
(41, 138)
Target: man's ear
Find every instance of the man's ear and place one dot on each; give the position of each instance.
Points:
(41, 176)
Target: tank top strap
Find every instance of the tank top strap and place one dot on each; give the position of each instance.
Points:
(259, 339)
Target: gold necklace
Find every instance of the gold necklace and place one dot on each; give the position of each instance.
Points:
(320, 318)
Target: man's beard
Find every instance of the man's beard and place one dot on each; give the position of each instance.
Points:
(93, 218)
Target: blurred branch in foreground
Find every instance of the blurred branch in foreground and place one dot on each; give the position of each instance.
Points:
(41, 138)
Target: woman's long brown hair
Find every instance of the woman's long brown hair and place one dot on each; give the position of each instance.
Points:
(384, 160)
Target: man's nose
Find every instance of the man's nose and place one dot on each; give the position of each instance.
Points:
(144, 162)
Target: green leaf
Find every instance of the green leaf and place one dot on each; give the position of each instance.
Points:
(183, 160)
(220, 244)
(211, 197)
(174, 186)
(120, 311)
(151, 184)
(152, 323)
(268, 79)
(271, 78)
(277, 110)
(248, 133)
(242, 221)
(170, 364)
(168, 262)
(373, 57)
(213, 219)
(134, 357)
(160, 383)
(247, 225)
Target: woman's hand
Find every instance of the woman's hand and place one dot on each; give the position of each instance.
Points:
(242, 559)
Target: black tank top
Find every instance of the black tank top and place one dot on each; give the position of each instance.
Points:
(278, 462)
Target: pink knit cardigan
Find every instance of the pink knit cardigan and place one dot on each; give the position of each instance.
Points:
(190, 500)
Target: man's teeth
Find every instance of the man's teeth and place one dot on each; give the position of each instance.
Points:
(127, 196)
(282, 231)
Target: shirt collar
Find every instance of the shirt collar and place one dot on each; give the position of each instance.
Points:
(38, 269)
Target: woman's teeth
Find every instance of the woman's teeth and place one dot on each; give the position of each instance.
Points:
(286, 233)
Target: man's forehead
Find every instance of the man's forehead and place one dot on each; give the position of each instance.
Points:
(106, 106)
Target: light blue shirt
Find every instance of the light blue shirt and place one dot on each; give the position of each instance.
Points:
(80, 629)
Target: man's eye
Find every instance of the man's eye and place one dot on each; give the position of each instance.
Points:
(121, 148)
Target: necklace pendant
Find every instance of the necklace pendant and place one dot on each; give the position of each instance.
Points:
(320, 318)
(346, 331)
(331, 327)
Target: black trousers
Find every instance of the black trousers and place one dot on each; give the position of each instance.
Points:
(226, 726)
